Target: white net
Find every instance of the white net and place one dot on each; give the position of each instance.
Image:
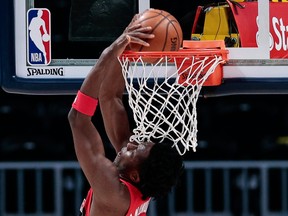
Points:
(163, 97)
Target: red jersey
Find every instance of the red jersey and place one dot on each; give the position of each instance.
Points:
(138, 207)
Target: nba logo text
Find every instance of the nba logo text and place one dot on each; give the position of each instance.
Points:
(38, 36)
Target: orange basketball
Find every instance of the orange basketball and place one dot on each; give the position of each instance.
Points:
(165, 27)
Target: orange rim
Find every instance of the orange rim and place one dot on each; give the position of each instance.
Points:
(175, 54)
(190, 48)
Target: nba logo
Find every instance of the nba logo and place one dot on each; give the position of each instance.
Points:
(38, 36)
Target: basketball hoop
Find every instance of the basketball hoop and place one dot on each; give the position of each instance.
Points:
(163, 94)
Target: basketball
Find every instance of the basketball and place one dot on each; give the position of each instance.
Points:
(46, 37)
(165, 27)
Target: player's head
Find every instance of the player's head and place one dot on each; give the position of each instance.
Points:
(153, 168)
(129, 159)
(160, 171)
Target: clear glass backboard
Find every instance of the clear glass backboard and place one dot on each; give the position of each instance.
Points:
(258, 65)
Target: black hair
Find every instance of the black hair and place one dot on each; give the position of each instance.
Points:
(160, 172)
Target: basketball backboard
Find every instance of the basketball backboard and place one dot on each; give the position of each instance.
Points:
(260, 67)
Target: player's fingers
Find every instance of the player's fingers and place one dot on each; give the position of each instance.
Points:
(132, 39)
(136, 34)
(141, 35)
(138, 28)
(124, 41)
(121, 44)
(133, 27)
(138, 41)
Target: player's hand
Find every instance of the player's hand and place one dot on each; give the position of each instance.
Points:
(134, 33)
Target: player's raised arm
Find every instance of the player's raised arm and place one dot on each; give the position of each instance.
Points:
(104, 84)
